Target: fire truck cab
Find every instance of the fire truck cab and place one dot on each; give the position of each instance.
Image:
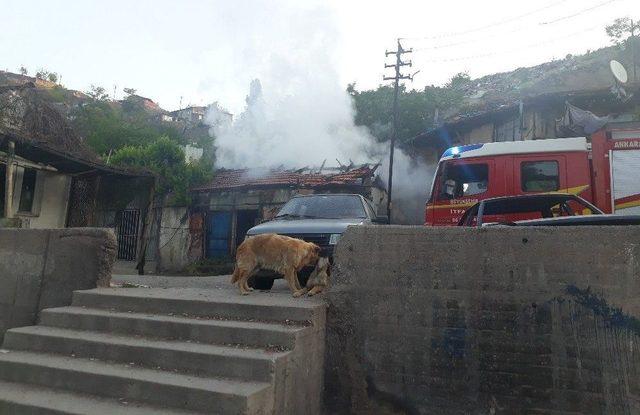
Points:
(605, 172)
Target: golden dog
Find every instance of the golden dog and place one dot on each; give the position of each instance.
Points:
(273, 252)
(318, 280)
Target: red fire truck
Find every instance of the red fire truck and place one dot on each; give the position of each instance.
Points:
(604, 170)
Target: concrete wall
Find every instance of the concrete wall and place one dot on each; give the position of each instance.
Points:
(174, 239)
(41, 268)
(492, 321)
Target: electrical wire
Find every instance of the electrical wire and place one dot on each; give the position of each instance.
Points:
(578, 13)
(491, 25)
(518, 49)
(518, 29)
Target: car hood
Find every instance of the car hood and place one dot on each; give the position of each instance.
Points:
(294, 226)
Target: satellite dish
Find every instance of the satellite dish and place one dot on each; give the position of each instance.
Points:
(618, 71)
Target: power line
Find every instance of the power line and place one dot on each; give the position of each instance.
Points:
(518, 29)
(490, 25)
(518, 49)
(578, 13)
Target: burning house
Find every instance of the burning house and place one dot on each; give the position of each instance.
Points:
(236, 200)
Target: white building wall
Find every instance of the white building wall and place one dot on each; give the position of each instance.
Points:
(50, 203)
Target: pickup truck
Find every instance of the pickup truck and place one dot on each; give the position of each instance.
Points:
(317, 218)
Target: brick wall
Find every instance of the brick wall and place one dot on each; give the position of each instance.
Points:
(493, 321)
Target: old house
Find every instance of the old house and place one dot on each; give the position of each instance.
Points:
(49, 178)
(235, 200)
(565, 98)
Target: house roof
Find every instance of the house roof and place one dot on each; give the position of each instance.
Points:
(43, 135)
(256, 178)
(563, 79)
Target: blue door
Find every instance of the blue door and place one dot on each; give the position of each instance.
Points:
(218, 234)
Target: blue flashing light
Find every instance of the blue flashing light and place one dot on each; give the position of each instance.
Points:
(456, 151)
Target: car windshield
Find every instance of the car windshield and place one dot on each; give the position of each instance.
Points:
(323, 207)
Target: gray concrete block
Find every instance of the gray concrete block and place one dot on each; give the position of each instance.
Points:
(186, 357)
(462, 320)
(212, 331)
(166, 389)
(41, 268)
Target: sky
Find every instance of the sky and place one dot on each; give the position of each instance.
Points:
(200, 51)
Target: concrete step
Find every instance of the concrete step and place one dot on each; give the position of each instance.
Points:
(195, 358)
(221, 304)
(249, 333)
(120, 381)
(25, 399)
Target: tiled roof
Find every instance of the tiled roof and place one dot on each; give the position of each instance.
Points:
(231, 179)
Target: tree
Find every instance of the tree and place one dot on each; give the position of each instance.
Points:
(23, 71)
(624, 32)
(98, 93)
(53, 77)
(621, 29)
(416, 108)
(459, 81)
(129, 91)
(42, 74)
(166, 158)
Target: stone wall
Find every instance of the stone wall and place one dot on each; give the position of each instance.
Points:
(484, 321)
(41, 268)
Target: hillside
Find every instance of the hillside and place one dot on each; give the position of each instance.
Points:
(586, 72)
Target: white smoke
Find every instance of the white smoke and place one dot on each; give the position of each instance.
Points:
(412, 178)
(298, 114)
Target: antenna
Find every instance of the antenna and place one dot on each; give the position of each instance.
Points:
(618, 71)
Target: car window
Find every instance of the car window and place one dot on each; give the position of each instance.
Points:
(539, 176)
(460, 180)
(370, 209)
(324, 207)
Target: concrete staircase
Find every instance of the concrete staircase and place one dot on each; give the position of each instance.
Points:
(167, 351)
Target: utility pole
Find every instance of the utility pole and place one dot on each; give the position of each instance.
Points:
(398, 76)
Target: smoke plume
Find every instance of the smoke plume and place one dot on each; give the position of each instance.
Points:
(298, 114)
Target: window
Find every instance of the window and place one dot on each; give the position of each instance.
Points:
(28, 190)
(539, 176)
(460, 180)
(323, 207)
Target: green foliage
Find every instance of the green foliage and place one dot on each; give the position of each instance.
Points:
(166, 158)
(621, 29)
(98, 93)
(57, 94)
(129, 91)
(416, 108)
(108, 127)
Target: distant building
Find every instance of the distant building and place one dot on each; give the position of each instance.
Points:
(193, 115)
(196, 115)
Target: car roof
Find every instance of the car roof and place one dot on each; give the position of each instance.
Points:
(594, 220)
(328, 194)
(530, 203)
